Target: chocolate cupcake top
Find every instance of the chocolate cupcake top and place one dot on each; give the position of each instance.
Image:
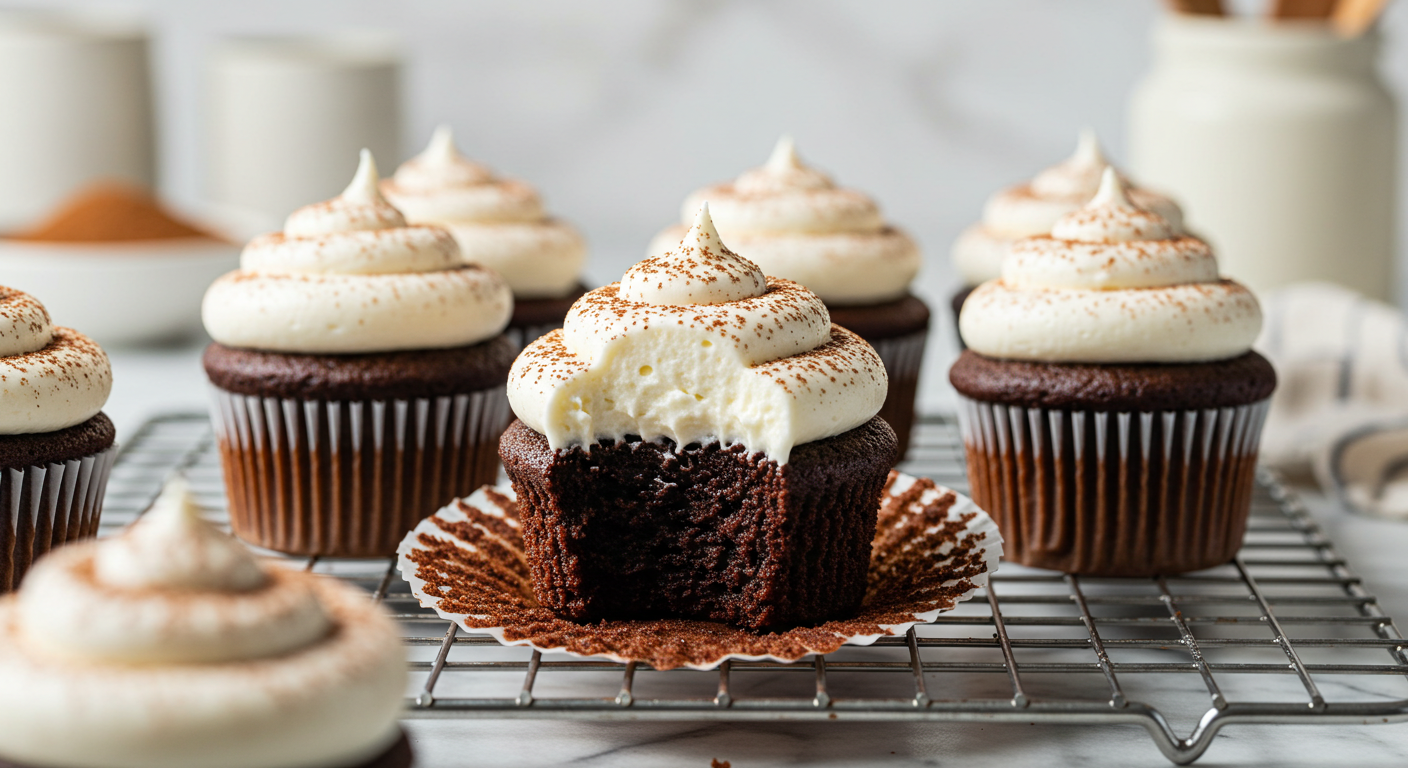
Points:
(696, 345)
(794, 222)
(51, 377)
(498, 222)
(170, 645)
(1032, 208)
(349, 275)
(1112, 283)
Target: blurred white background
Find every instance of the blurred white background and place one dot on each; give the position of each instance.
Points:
(616, 109)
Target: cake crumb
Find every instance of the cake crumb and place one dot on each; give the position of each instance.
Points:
(717, 763)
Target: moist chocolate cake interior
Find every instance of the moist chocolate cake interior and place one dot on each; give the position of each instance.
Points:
(637, 529)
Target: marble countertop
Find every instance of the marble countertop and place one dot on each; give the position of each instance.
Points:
(152, 381)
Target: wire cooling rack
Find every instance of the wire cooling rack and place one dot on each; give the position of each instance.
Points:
(1283, 634)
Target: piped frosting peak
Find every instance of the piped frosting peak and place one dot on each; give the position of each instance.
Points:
(1076, 176)
(783, 171)
(440, 165)
(699, 270)
(1110, 217)
(172, 548)
(359, 207)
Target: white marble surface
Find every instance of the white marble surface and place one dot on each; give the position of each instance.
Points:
(150, 381)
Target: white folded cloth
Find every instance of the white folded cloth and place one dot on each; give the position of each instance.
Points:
(1341, 402)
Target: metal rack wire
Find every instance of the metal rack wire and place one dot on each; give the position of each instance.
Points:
(1286, 633)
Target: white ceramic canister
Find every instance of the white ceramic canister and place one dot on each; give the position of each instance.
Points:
(1279, 140)
(77, 95)
(286, 115)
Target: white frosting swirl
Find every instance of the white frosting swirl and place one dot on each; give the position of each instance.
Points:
(1112, 284)
(698, 270)
(696, 346)
(1032, 208)
(350, 276)
(169, 645)
(499, 223)
(796, 223)
(51, 377)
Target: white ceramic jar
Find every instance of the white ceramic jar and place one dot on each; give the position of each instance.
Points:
(1279, 140)
(77, 95)
(286, 115)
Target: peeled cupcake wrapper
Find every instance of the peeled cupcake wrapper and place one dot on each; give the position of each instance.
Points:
(44, 507)
(388, 462)
(930, 553)
(1116, 494)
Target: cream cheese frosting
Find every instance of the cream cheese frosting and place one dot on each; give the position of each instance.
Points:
(795, 223)
(1113, 283)
(499, 223)
(350, 275)
(1032, 208)
(695, 345)
(170, 645)
(51, 377)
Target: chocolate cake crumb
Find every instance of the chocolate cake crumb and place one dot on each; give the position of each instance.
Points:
(643, 529)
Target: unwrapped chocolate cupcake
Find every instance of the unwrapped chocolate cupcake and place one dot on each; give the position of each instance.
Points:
(170, 646)
(1110, 402)
(499, 223)
(699, 441)
(56, 445)
(358, 370)
(794, 222)
(1032, 208)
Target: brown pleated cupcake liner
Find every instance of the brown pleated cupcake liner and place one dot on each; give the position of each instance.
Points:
(44, 507)
(348, 479)
(933, 549)
(1114, 494)
(903, 356)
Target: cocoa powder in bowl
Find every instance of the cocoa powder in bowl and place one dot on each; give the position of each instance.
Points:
(111, 212)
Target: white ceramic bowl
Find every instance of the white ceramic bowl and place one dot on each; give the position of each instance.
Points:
(122, 293)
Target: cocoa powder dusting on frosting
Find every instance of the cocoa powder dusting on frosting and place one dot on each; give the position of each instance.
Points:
(475, 567)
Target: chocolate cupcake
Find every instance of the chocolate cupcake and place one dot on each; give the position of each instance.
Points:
(1032, 208)
(499, 223)
(358, 371)
(793, 222)
(1110, 402)
(699, 441)
(170, 646)
(56, 445)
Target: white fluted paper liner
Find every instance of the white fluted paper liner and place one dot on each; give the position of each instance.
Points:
(470, 551)
(349, 478)
(1118, 494)
(42, 507)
